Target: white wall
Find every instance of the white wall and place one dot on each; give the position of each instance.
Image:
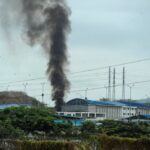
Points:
(128, 111)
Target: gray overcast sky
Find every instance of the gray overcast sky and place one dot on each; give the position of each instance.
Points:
(104, 32)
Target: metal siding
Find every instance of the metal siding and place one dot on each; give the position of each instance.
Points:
(75, 108)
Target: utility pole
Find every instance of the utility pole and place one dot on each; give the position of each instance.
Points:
(7, 88)
(130, 87)
(106, 87)
(109, 84)
(86, 90)
(25, 86)
(114, 85)
(123, 84)
(43, 86)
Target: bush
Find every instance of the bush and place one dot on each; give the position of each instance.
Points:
(41, 145)
(28, 119)
(105, 142)
(88, 127)
(118, 128)
(8, 131)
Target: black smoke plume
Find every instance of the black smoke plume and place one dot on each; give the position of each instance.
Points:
(47, 23)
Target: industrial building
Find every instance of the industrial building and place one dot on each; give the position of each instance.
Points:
(92, 109)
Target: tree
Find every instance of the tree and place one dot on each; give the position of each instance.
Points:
(88, 127)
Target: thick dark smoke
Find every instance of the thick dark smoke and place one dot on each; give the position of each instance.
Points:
(47, 23)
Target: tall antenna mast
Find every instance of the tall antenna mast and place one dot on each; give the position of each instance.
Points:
(114, 85)
(109, 84)
(123, 84)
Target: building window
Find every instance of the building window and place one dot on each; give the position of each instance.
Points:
(91, 115)
(78, 114)
(100, 115)
(85, 115)
(61, 114)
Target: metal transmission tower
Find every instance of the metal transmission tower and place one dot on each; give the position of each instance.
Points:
(109, 84)
(114, 85)
(123, 84)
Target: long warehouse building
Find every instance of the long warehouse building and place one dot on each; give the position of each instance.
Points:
(92, 109)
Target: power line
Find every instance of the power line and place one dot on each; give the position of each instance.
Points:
(115, 65)
(83, 71)
(20, 81)
(97, 88)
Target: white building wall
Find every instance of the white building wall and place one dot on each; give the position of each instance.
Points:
(142, 111)
(110, 111)
(92, 108)
(128, 111)
(114, 112)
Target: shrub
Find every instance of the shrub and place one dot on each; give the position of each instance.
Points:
(41, 145)
(117, 143)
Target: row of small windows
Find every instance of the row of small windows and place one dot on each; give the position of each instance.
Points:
(129, 114)
(128, 108)
(84, 115)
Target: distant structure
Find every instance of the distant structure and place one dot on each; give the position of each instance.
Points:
(109, 84)
(123, 84)
(100, 110)
(114, 85)
(15, 99)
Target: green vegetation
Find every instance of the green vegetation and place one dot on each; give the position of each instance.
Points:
(19, 122)
(41, 145)
(98, 142)
(36, 128)
(122, 129)
(104, 142)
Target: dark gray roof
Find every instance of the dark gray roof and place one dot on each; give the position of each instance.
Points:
(79, 101)
(135, 104)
